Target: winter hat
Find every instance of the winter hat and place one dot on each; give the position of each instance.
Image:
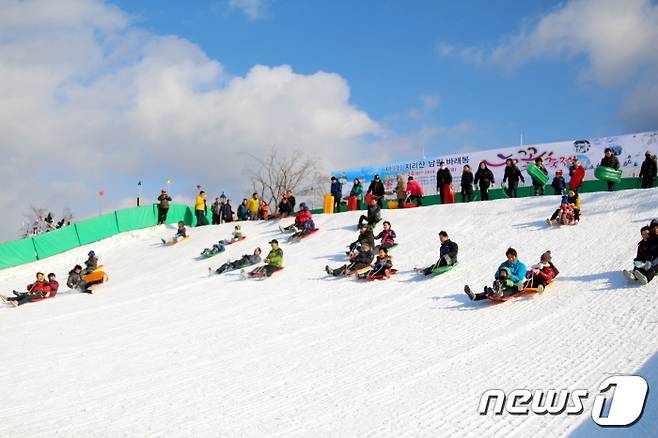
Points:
(559, 172)
(565, 199)
(546, 257)
(91, 254)
(237, 227)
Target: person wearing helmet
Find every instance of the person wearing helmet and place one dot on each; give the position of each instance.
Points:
(91, 264)
(75, 281)
(361, 260)
(558, 183)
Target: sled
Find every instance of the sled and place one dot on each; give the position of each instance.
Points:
(443, 269)
(607, 174)
(577, 178)
(211, 254)
(537, 175)
(231, 242)
(96, 277)
(503, 185)
(387, 274)
(174, 242)
(520, 293)
(258, 274)
(410, 205)
(293, 239)
(448, 194)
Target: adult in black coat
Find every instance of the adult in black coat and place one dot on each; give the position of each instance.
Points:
(366, 237)
(512, 176)
(648, 170)
(467, 184)
(485, 178)
(373, 215)
(443, 178)
(227, 212)
(609, 160)
(376, 187)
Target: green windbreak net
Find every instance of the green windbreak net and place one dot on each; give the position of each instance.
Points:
(56, 241)
(135, 218)
(16, 253)
(180, 213)
(93, 230)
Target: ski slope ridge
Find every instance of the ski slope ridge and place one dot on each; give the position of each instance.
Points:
(163, 349)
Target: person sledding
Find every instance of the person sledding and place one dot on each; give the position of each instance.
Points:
(447, 255)
(273, 262)
(383, 265)
(243, 262)
(508, 280)
(645, 262)
(542, 274)
(373, 215)
(181, 233)
(36, 291)
(366, 236)
(569, 211)
(75, 281)
(361, 260)
(303, 224)
(387, 235)
(220, 246)
(91, 264)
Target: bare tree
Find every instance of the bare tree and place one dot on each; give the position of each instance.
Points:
(277, 172)
(38, 220)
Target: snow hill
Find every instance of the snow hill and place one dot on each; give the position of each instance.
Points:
(165, 350)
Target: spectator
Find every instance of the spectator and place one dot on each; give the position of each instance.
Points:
(201, 209)
(163, 207)
(485, 178)
(467, 184)
(648, 170)
(336, 192)
(443, 179)
(609, 160)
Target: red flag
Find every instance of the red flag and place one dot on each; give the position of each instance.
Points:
(101, 193)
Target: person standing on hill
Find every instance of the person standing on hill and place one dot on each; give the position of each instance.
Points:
(443, 179)
(485, 178)
(357, 192)
(376, 188)
(401, 191)
(253, 204)
(200, 209)
(467, 184)
(648, 170)
(609, 160)
(512, 177)
(559, 184)
(163, 207)
(415, 191)
(337, 192)
(537, 185)
(216, 211)
(243, 211)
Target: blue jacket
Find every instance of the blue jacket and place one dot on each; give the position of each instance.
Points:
(337, 189)
(243, 212)
(559, 184)
(517, 271)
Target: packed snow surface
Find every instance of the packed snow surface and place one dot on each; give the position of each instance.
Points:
(163, 349)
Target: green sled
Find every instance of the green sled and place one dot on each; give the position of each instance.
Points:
(536, 174)
(442, 269)
(607, 174)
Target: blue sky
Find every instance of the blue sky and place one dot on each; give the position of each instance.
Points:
(99, 94)
(387, 51)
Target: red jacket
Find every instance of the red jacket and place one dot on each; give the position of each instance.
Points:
(40, 286)
(414, 188)
(548, 273)
(303, 216)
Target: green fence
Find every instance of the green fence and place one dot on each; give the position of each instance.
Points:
(92, 230)
(45, 245)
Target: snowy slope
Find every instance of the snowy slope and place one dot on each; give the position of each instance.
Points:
(165, 350)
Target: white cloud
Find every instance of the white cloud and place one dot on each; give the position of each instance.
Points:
(617, 38)
(256, 9)
(90, 98)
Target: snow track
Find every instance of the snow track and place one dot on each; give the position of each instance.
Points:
(165, 350)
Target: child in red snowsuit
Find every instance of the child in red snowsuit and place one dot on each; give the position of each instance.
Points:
(543, 272)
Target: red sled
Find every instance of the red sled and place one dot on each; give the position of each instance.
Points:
(577, 178)
(387, 274)
(410, 205)
(448, 193)
(351, 203)
(236, 240)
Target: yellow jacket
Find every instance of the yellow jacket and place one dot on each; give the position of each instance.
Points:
(253, 204)
(200, 203)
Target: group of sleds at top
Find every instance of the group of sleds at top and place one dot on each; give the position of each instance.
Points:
(79, 279)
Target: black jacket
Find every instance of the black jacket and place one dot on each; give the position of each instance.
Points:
(648, 169)
(484, 177)
(367, 237)
(450, 249)
(226, 212)
(644, 251)
(363, 258)
(376, 188)
(75, 280)
(467, 182)
(611, 161)
(513, 174)
(374, 214)
(443, 177)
